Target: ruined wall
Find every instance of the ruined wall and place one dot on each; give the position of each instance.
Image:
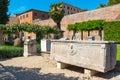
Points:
(47, 22)
(107, 13)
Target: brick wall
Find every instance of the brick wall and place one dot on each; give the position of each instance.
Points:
(109, 14)
(13, 20)
(1, 38)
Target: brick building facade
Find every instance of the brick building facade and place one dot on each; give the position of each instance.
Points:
(108, 13)
(14, 19)
(69, 9)
(32, 14)
(29, 16)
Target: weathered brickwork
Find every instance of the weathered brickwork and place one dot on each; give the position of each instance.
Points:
(1, 38)
(109, 14)
(13, 20)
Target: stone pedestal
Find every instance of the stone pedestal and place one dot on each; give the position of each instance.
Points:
(17, 42)
(45, 45)
(61, 65)
(88, 73)
(30, 47)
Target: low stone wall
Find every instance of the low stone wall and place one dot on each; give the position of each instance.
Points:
(95, 55)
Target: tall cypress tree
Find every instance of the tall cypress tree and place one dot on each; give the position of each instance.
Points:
(112, 2)
(3, 11)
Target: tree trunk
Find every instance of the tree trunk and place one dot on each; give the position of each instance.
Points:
(47, 36)
(81, 35)
(74, 32)
(100, 34)
(58, 25)
(88, 33)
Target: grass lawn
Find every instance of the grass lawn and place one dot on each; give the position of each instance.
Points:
(118, 52)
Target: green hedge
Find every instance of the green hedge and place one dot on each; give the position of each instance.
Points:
(10, 51)
(112, 31)
(87, 25)
(118, 52)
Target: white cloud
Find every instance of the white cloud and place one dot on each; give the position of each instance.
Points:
(22, 8)
(17, 10)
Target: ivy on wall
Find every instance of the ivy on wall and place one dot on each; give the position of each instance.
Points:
(112, 31)
(87, 25)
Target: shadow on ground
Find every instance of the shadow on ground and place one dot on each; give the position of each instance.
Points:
(75, 68)
(19, 73)
(112, 73)
(107, 75)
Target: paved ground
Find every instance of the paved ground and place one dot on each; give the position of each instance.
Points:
(41, 68)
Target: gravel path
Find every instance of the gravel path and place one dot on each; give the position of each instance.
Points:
(41, 68)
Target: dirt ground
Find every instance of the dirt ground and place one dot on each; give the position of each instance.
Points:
(42, 68)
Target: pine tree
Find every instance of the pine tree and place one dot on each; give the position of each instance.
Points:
(3, 11)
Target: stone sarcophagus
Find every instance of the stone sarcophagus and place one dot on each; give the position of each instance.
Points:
(94, 55)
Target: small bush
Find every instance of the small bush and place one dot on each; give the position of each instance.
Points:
(10, 51)
(9, 43)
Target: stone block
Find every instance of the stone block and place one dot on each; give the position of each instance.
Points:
(89, 73)
(30, 48)
(61, 65)
(45, 45)
(94, 55)
(17, 42)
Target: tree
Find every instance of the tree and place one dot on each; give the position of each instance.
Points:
(72, 27)
(100, 6)
(47, 30)
(40, 31)
(3, 11)
(57, 13)
(112, 2)
(83, 10)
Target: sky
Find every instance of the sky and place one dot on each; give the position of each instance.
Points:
(19, 6)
